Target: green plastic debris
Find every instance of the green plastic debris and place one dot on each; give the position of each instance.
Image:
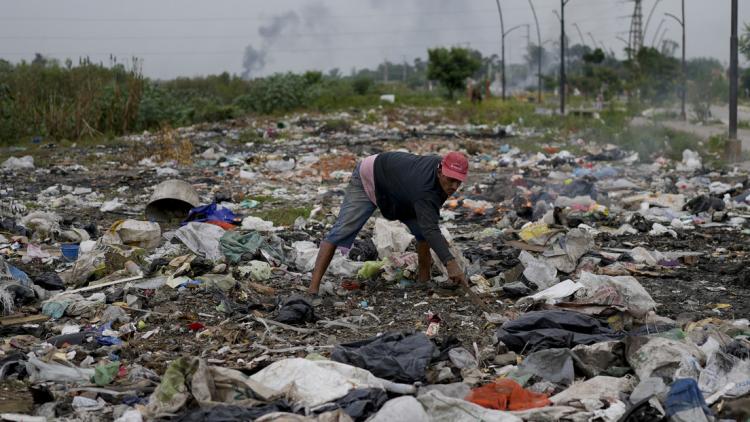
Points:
(105, 374)
(370, 269)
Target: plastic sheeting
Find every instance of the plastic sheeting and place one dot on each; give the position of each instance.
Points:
(553, 329)
(405, 408)
(685, 402)
(440, 408)
(598, 388)
(202, 239)
(663, 357)
(312, 383)
(399, 357)
(238, 246)
(553, 365)
(622, 292)
(40, 371)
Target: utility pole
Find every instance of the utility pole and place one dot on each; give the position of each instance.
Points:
(562, 56)
(385, 71)
(734, 146)
(539, 55)
(683, 93)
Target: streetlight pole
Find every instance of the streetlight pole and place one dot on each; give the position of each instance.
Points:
(539, 54)
(562, 56)
(734, 147)
(502, 45)
(683, 94)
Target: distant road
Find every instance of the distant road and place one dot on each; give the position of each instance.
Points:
(706, 131)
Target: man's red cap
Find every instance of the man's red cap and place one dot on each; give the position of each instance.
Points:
(455, 165)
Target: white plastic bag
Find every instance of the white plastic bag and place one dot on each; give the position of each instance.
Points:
(390, 237)
(312, 383)
(202, 239)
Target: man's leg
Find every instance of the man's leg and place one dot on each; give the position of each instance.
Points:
(425, 261)
(423, 252)
(355, 211)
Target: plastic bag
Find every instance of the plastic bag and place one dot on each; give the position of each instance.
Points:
(506, 394)
(390, 237)
(40, 371)
(214, 385)
(370, 269)
(202, 239)
(440, 408)
(143, 234)
(312, 383)
(404, 408)
(597, 388)
(399, 357)
(538, 271)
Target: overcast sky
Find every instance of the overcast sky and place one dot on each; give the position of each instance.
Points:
(198, 37)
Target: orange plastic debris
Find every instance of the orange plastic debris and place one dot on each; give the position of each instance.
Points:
(506, 394)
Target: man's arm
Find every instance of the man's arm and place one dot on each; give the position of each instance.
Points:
(428, 218)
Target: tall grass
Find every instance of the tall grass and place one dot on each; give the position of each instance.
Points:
(43, 98)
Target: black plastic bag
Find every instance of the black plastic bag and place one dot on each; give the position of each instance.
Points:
(399, 357)
(233, 413)
(360, 404)
(553, 329)
(296, 310)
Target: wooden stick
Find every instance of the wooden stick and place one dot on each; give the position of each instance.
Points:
(285, 326)
(99, 286)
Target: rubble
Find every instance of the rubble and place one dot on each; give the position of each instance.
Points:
(606, 288)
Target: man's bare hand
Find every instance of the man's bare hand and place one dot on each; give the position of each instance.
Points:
(455, 273)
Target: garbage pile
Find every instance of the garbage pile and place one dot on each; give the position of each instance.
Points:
(613, 287)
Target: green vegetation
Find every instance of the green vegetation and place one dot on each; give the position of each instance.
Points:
(452, 67)
(94, 102)
(283, 216)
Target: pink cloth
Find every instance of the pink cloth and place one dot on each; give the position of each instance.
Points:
(367, 174)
